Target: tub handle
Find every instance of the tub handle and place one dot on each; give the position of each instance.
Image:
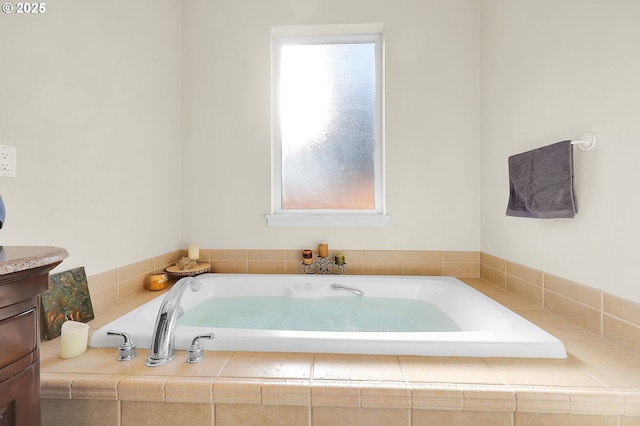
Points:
(195, 352)
(127, 349)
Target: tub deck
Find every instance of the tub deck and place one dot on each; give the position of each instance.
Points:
(598, 382)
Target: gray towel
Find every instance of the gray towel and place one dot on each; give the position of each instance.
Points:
(541, 183)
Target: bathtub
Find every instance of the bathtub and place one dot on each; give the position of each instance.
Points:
(485, 328)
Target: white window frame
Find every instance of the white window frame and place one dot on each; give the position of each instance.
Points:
(366, 33)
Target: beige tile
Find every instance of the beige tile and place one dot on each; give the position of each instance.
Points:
(557, 326)
(260, 415)
(149, 389)
(421, 268)
(429, 398)
(210, 366)
(357, 367)
(189, 390)
(166, 414)
(561, 419)
(56, 385)
(606, 362)
(101, 361)
(458, 418)
(542, 401)
(230, 266)
(524, 289)
(580, 293)
(205, 255)
(293, 267)
(384, 255)
(493, 262)
(622, 333)
(290, 392)
(422, 256)
(461, 256)
(631, 403)
(582, 315)
(335, 394)
(102, 300)
(265, 255)
(222, 254)
(237, 391)
(135, 269)
(95, 387)
(279, 365)
(354, 262)
(629, 421)
(596, 402)
(103, 280)
(459, 269)
(338, 416)
(447, 370)
(266, 267)
(49, 359)
(542, 372)
(500, 295)
(385, 396)
(525, 273)
(493, 276)
(293, 255)
(167, 259)
(131, 287)
(486, 399)
(382, 267)
(56, 412)
(623, 309)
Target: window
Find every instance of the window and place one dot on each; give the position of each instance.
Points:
(327, 123)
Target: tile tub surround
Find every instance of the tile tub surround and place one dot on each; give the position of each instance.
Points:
(607, 316)
(597, 384)
(613, 318)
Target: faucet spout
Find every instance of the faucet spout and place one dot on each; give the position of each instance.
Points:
(163, 339)
(355, 291)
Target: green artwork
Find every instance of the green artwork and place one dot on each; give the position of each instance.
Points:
(67, 298)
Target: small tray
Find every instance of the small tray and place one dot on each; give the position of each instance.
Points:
(200, 268)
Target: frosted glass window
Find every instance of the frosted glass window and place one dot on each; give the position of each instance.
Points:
(328, 138)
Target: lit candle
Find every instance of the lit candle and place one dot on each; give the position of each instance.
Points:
(194, 252)
(73, 341)
(323, 250)
(339, 259)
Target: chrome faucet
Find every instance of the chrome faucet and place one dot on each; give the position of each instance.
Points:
(163, 339)
(355, 291)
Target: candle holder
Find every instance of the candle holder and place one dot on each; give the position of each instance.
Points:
(323, 266)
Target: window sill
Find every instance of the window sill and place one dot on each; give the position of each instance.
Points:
(328, 219)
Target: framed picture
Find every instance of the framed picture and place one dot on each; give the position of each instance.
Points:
(67, 298)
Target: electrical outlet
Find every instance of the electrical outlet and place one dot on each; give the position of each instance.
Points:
(7, 161)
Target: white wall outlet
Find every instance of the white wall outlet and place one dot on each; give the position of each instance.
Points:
(7, 161)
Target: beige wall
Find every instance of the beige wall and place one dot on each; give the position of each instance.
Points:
(432, 123)
(90, 97)
(551, 71)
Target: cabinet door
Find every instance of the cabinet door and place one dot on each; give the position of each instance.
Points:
(17, 332)
(19, 403)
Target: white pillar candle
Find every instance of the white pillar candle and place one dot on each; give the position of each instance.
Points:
(73, 341)
(194, 252)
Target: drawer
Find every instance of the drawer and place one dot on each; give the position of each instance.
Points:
(18, 336)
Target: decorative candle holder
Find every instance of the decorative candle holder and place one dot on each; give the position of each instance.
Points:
(323, 266)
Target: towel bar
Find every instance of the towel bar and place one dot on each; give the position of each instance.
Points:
(586, 142)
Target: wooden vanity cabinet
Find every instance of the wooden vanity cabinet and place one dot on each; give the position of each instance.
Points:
(19, 345)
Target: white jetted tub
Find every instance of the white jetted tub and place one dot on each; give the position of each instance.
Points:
(428, 316)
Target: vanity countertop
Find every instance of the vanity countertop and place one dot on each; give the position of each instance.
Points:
(20, 258)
